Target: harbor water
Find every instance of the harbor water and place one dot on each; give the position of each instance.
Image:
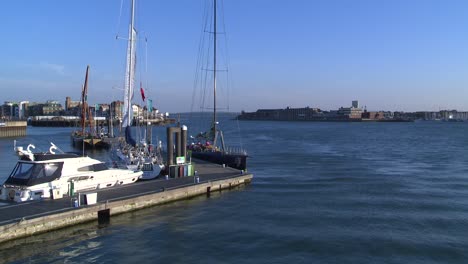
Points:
(323, 192)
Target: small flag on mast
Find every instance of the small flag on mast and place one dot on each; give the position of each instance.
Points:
(142, 92)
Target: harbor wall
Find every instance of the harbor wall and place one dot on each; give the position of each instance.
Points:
(63, 123)
(13, 129)
(72, 216)
(76, 123)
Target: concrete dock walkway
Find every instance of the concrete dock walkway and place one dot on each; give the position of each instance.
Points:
(29, 218)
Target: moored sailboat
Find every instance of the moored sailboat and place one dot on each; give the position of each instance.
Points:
(143, 155)
(210, 145)
(87, 136)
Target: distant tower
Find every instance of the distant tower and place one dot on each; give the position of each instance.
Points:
(67, 103)
(355, 104)
(10, 104)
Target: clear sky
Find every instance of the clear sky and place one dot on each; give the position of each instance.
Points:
(389, 54)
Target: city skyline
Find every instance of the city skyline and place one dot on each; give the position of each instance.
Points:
(57, 108)
(391, 55)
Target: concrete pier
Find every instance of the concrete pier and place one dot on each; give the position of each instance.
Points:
(25, 219)
(13, 129)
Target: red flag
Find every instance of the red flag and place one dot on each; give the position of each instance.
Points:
(142, 92)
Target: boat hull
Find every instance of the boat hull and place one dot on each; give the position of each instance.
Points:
(97, 180)
(48, 175)
(236, 161)
(93, 142)
(150, 171)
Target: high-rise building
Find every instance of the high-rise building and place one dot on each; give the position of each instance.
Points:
(22, 109)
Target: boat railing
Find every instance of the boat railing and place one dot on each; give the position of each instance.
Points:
(236, 150)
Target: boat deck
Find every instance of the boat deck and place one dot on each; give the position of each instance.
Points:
(11, 212)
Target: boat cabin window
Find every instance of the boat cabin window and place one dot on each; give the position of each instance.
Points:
(22, 170)
(94, 167)
(34, 173)
(100, 167)
(80, 178)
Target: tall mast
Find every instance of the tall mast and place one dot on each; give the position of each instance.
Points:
(214, 68)
(84, 103)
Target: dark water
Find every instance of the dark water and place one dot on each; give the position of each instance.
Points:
(322, 193)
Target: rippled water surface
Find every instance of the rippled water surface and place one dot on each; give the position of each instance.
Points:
(322, 192)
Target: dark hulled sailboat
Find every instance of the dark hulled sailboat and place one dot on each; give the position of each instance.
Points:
(210, 145)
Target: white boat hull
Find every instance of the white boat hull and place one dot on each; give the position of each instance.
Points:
(76, 174)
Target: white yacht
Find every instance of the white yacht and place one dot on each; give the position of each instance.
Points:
(50, 175)
(141, 158)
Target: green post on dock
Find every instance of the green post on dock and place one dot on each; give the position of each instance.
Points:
(72, 188)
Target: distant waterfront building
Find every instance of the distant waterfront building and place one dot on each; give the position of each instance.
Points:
(50, 108)
(136, 110)
(14, 110)
(288, 114)
(445, 115)
(34, 109)
(8, 110)
(350, 112)
(454, 115)
(22, 109)
(104, 107)
(353, 112)
(69, 104)
(116, 109)
(373, 115)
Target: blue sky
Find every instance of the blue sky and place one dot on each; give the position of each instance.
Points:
(388, 54)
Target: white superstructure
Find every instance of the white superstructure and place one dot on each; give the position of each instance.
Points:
(49, 175)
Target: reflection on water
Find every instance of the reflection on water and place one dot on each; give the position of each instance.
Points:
(84, 241)
(322, 192)
(32, 249)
